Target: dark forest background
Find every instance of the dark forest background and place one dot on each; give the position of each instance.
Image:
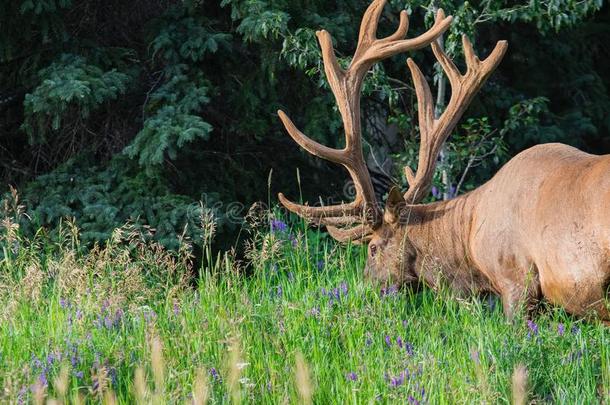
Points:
(155, 112)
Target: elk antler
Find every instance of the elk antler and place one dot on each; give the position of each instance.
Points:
(434, 132)
(346, 86)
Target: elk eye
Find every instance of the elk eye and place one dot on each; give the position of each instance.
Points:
(373, 250)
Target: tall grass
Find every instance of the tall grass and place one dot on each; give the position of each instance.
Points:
(130, 322)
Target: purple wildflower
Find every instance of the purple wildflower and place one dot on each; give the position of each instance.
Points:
(435, 192)
(63, 303)
(575, 330)
(368, 341)
(389, 291)
(278, 226)
(42, 379)
(399, 342)
(409, 348)
(352, 376)
(532, 327)
(176, 308)
(388, 340)
(214, 374)
(399, 379)
(320, 265)
(78, 374)
(343, 287)
(561, 329)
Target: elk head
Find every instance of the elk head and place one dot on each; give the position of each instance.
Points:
(391, 257)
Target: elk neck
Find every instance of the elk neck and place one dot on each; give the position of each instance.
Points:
(440, 233)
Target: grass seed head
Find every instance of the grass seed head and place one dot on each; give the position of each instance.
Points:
(520, 377)
(302, 378)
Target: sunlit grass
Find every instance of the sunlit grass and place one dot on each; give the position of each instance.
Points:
(124, 323)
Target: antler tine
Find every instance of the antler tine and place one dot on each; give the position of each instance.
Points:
(357, 234)
(371, 50)
(434, 132)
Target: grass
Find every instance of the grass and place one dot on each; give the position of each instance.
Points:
(131, 322)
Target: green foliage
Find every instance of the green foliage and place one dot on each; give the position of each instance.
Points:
(187, 39)
(173, 122)
(39, 21)
(69, 89)
(101, 199)
(259, 20)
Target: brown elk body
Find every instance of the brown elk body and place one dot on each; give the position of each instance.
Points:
(539, 228)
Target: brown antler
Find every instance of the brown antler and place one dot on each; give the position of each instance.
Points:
(346, 86)
(434, 132)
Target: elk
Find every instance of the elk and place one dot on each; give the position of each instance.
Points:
(540, 228)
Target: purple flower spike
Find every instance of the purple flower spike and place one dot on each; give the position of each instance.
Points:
(352, 376)
(532, 327)
(435, 192)
(399, 342)
(561, 329)
(409, 348)
(214, 374)
(42, 379)
(278, 226)
(388, 340)
(320, 265)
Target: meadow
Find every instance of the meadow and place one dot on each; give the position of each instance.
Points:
(292, 322)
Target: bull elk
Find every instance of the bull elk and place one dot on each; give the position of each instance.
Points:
(539, 228)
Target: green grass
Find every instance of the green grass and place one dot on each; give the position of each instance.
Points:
(101, 315)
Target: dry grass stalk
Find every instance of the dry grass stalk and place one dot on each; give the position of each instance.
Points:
(158, 364)
(235, 366)
(520, 376)
(139, 387)
(303, 381)
(200, 389)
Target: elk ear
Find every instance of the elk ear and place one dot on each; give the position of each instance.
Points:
(393, 206)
